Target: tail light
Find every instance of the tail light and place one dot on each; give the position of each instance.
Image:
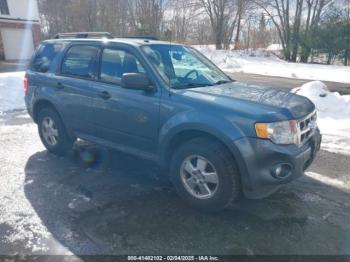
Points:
(25, 82)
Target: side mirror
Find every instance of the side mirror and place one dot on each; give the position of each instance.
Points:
(137, 81)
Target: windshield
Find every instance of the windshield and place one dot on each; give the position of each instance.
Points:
(184, 67)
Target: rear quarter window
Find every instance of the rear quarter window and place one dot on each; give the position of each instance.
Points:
(46, 53)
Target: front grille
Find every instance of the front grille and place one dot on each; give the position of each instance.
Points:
(306, 127)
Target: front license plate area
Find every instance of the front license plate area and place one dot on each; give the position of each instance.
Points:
(310, 153)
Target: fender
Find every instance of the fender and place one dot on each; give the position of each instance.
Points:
(220, 128)
(47, 95)
(214, 125)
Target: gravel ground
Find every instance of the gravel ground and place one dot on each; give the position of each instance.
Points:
(100, 202)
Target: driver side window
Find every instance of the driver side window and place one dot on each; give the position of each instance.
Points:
(115, 63)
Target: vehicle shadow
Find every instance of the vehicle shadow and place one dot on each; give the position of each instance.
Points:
(100, 202)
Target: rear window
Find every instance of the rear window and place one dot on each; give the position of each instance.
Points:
(45, 55)
(81, 61)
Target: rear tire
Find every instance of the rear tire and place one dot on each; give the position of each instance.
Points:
(195, 164)
(53, 133)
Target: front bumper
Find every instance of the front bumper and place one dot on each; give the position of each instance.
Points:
(258, 156)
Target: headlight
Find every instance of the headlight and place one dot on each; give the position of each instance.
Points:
(285, 132)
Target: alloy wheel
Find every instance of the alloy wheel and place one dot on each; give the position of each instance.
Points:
(49, 131)
(199, 177)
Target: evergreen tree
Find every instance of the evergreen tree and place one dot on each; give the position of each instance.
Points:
(262, 35)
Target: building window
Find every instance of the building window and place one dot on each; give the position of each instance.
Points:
(4, 9)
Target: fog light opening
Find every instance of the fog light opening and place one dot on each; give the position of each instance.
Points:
(281, 171)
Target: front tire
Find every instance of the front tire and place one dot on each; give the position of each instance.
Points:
(53, 132)
(205, 174)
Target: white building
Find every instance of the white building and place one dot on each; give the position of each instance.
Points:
(20, 29)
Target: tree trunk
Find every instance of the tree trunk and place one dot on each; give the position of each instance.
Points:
(305, 54)
(296, 30)
(329, 58)
(294, 52)
(238, 32)
(218, 39)
(346, 58)
(287, 54)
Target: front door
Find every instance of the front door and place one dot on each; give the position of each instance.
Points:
(128, 118)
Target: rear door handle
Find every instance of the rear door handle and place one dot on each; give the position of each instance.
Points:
(105, 95)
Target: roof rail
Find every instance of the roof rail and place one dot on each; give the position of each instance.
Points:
(141, 37)
(84, 35)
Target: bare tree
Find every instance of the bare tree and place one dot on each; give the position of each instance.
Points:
(287, 16)
(55, 16)
(279, 12)
(182, 14)
(201, 33)
(217, 11)
(314, 11)
(146, 16)
(241, 8)
(261, 35)
(347, 35)
(296, 29)
(121, 17)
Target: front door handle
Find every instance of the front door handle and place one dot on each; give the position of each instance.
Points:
(105, 95)
(59, 85)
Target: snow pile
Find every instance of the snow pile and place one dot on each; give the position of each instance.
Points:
(274, 47)
(333, 112)
(265, 63)
(11, 91)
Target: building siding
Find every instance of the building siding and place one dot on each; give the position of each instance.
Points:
(23, 15)
(36, 33)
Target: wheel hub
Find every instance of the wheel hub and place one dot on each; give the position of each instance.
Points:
(49, 131)
(199, 177)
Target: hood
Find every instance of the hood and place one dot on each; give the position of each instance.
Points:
(298, 106)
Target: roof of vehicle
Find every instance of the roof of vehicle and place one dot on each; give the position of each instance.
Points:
(130, 41)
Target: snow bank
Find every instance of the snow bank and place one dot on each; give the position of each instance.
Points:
(265, 63)
(333, 109)
(333, 112)
(274, 47)
(11, 91)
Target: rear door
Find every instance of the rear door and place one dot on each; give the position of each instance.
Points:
(78, 70)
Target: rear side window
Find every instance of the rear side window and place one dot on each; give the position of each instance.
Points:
(45, 55)
(81, 61)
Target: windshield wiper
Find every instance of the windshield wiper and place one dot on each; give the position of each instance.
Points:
(194, 85)
(191, 85)
(221, 82)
